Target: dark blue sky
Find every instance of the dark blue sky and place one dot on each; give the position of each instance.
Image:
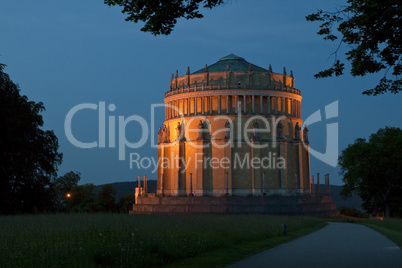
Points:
(65, 53)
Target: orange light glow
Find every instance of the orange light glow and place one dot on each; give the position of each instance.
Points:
(68, 195)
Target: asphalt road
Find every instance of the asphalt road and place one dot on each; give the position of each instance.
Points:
(336, 245)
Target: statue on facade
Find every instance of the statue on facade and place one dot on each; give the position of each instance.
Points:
(160, 134)
(179, 132)
(255, 131)
(297, 132)
(164, 134)
(279, 132)
(200, 131)
(305, 135)
(227, 130)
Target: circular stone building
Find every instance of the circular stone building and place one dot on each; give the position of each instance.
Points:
(232, 142)
(233, 128)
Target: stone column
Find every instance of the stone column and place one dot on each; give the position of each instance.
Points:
(188, 107)
(195, 106)
(269, 104)
(286, 106)
(145, 185)
(261, 107)
(236, 104)
(283, 172)
(228, 168)
(162, 193)
(178, 183)
(210, 105)
(191, 184)
(219, 104)
(300, 164)
(139, 186)
(227, 105)
(199, 175)
(255, 173)
(167, 110)
(252, 105)
(282, 105)
(275, 105)
(202, 105)
(245, 103)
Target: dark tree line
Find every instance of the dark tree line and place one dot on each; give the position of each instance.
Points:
(83, 198)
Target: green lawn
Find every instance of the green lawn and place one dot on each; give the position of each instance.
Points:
(115, 240)
(391, 228)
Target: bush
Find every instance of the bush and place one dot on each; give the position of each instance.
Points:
(352, 212)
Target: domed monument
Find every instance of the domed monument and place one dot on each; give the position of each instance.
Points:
(232, 142)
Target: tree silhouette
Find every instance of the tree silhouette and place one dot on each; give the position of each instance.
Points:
(372, 29)
(160, 16)
(28, 154)
(373, 169)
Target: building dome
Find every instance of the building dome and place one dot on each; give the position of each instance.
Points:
(232, 63)
(232, 72)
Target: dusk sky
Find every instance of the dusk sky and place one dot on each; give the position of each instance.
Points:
(67, 53)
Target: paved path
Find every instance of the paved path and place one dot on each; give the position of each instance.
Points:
(336, 245)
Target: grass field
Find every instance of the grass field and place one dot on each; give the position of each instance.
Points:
(391, 228)
(115, 240)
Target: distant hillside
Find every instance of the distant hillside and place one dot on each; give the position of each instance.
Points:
(128, 187)
(125, 188)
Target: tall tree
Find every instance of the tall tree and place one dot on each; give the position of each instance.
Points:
(160, 16)
(372, 31)
(373, 169)
(28, 155)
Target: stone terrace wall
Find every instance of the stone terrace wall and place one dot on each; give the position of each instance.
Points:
(318, 206)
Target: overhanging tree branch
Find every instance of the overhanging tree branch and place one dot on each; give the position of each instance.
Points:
(373, 29)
